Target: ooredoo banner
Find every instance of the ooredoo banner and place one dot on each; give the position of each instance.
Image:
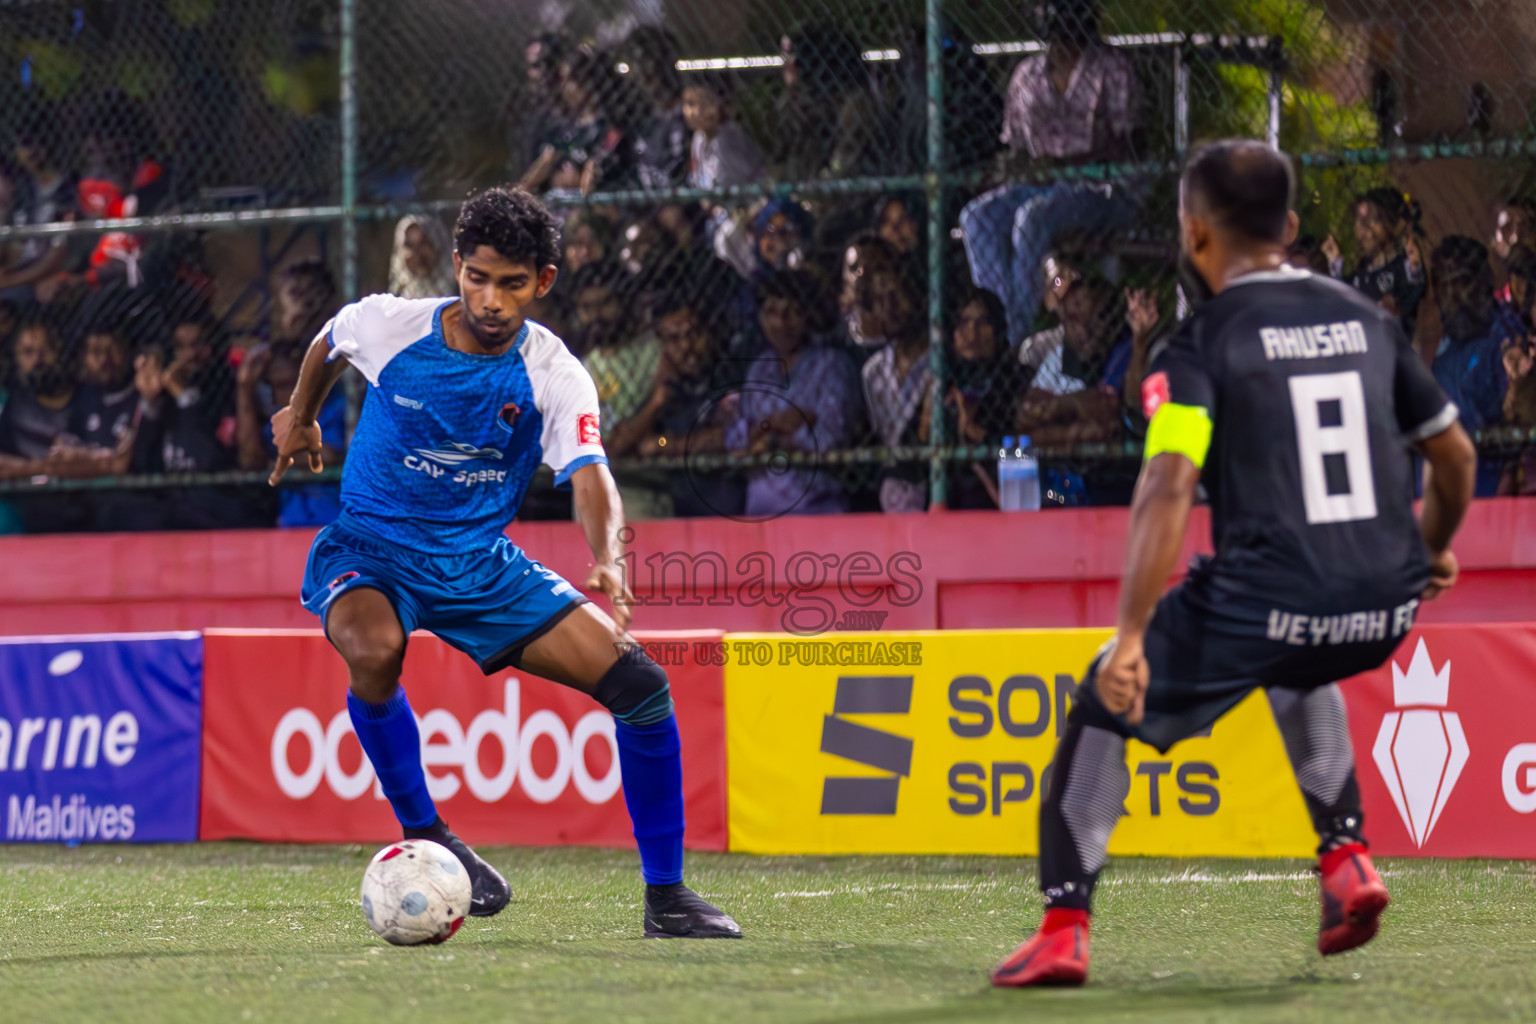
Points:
(1445, 743)
(937, 742)
(99, 737)
(509, 758)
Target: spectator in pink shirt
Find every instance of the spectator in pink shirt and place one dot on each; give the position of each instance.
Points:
(1075, 100)
(1073, 103)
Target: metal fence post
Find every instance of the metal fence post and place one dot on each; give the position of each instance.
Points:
(1276, 98)
(1181, 99)
(934, 187)
(349, 284)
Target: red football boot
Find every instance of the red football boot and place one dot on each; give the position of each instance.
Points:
(1057, 954)
(1353, 899)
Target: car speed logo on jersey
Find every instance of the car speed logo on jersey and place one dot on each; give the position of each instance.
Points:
(453, 453)
(587, 431)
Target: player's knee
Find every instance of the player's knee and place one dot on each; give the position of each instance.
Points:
(374, 678)
(374, 654)
(635, 689)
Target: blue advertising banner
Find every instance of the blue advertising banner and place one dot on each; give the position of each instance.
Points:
(100, 737)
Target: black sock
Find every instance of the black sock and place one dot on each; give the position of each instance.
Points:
(1341, 822)
(437, 830)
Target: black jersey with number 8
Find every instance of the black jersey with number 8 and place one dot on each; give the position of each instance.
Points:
(1314, 397)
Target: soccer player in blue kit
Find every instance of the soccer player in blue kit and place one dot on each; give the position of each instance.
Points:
(466, 398)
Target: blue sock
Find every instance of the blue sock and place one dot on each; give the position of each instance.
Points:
(651, 763)
(392, 742)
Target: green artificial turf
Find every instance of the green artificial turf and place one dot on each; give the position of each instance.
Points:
(240, 932)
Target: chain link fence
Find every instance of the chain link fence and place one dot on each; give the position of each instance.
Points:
(951, 222)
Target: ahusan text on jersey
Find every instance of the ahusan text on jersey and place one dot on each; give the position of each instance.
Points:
(1318, 341)
(467, 477)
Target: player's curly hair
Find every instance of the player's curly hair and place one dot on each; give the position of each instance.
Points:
(512, 222)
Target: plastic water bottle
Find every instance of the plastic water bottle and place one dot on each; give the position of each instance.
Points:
(1018, 477)
(1004, 455)
(1028, 474)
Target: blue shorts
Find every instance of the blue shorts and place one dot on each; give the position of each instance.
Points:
(490, 604)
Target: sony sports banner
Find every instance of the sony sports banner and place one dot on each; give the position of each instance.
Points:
(99, 737)
(1445, 743)
(509, 758)
(937, 742)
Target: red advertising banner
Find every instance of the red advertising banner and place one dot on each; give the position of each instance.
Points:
(510, 758)
(1445, 743)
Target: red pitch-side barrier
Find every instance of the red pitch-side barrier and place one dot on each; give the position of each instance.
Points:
(944, 570)
(509, 758)
(1445, 743)
(1444, 736)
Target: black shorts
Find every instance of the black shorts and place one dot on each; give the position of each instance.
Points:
(1204, 656)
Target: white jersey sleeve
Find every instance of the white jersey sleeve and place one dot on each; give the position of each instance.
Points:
(566, 398)
(373, 330)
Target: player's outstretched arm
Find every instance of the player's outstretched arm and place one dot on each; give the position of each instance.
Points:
(1159, 515)
(1450, 475)
(294, 426)
(601, 515)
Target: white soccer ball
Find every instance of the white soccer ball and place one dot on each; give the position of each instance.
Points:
(415, 892)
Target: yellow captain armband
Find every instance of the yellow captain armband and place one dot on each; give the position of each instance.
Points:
(1183, 429)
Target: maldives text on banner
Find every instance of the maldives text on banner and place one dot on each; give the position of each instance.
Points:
(510, 758)
(99, 737)
(935, 742)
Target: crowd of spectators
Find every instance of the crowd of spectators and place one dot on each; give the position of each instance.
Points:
(96, 392)
(778, 329)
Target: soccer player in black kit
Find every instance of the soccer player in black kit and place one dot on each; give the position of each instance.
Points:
(1298, 403)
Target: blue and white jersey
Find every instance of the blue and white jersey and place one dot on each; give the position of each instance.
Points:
(448, 441)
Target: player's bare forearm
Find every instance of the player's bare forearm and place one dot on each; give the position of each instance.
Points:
(1449, 480)
(294, 428)
(599, 511)
(1159, 516)
(601, 515)
(317, 375)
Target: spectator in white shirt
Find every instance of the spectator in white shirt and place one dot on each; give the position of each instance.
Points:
(1073, 103)
(896, 380)
(36, 192)
(722, 152)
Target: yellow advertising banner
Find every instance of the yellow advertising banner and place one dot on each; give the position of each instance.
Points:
(935, 742)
